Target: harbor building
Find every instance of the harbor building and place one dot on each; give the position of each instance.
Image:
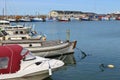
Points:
(68, 14)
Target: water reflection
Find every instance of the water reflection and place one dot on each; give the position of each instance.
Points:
(67, 59)
(81, 54)
(36, 77)
(49, 78)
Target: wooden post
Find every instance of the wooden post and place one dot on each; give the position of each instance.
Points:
(68, 34)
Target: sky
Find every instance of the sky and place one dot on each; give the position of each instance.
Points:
(34, 7)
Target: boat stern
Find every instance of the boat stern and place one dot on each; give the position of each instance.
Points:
(74, 43)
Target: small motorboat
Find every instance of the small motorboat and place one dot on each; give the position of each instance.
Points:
(16, 61)
(18, 32)
(51, 48)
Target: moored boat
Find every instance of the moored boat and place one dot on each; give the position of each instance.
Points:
(4, 23)
(18, 32)
(63, 19)
(36, 19)
(16, 61)
(46, 48)
(24, 20)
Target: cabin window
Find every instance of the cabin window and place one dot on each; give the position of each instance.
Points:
(4, 62)
(21, 32)
(16, 32)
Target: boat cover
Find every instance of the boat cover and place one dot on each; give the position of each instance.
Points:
(10, 58)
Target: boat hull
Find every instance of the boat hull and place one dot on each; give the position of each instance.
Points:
(29, 69)
(62, 49)
(33, 76)
(47, 48)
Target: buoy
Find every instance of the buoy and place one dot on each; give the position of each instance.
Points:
(110, 66)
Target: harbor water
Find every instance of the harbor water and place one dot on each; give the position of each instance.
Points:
(98, 40)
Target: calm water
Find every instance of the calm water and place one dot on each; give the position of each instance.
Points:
(100, 40)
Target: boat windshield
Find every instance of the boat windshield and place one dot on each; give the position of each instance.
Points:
(27, 55)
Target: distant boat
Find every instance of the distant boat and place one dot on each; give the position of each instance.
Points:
(112, 18)
(74, 19)
(36, 20)
(16, 61)
(18, 32)
(4, 23)
(50, 19)
(11, 20)
(63, 19)
(117, 18)
(85, 19)
(24, 20)
(105, 18)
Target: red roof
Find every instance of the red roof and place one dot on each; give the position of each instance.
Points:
(13, 53)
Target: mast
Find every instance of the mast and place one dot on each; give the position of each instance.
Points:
(5, 10)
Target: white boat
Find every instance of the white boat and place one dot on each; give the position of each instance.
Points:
(36, 19)
(11, 20)
(18, 32)
(26, 19)
(63, 19)
(4, 23)
(46, 48)
(16, 61)
(50, 19)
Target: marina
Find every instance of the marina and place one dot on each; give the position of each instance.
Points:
(36, 43)
(99, 40)
(59, 40)
(97, 46)
(18, 32)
